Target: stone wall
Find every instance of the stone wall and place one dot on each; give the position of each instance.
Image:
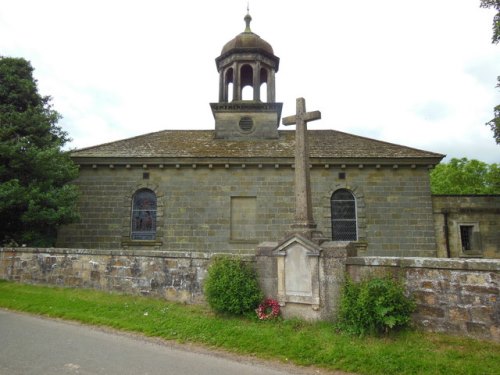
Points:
(481, 213)
(394, 208)
(174, 276)
(459, 296)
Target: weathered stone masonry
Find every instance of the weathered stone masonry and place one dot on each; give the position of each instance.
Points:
(459, 296)
(394, 208)
(481, 213)
(173, 276)
(453, 295)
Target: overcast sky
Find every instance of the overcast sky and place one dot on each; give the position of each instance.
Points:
(417, 73)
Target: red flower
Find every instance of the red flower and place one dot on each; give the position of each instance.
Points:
(269, 309)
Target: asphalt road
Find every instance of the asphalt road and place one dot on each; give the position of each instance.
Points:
(34, 345)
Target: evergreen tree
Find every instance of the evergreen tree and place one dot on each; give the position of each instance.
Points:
(35, 197)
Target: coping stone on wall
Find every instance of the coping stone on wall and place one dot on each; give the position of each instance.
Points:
(436, 263)
(106, 252)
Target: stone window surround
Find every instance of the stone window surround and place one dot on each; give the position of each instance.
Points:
(350, 218)
(126, 220)
(357, 192)
(137, 211)
(475, 251)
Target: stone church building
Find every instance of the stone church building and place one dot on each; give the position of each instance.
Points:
(231, 188)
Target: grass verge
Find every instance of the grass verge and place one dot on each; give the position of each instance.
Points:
(307, 344)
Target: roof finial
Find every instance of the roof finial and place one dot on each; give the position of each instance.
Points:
(248, 19)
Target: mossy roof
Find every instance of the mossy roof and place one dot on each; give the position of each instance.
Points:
(203, 144)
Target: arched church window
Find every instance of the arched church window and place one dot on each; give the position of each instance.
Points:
(143, 215)
(344, 223)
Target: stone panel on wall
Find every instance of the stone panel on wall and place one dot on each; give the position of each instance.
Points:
(310, 293)
(243, 218)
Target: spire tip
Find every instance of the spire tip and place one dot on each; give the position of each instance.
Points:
(248, 19)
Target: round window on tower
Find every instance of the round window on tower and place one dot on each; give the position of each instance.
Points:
(246, 124)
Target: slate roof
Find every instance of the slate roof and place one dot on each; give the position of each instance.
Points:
(202, 144)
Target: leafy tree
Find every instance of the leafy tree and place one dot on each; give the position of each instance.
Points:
(495, 4)
(495, 122)
(34, 171)
(463, 176)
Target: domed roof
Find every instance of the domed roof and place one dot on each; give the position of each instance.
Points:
(247, 40)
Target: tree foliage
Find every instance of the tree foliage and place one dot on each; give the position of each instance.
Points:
(494, 123)
(34, 171)
(463, 176)
(495, 4)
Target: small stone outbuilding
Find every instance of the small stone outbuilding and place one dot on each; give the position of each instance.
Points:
(467, 226)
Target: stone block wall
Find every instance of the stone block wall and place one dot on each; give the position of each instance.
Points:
(394, 208)
(173, 276)
(459, 296)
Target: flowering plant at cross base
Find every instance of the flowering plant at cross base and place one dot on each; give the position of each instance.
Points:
(269, 309)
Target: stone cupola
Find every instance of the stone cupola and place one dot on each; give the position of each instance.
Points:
(247, 107)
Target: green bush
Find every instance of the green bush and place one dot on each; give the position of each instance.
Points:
(231, 286)
(374, 306)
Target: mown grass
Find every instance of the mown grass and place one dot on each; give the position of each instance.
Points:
(307, 344)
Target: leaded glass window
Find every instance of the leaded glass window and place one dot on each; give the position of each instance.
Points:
(143, 215)
(343, 207)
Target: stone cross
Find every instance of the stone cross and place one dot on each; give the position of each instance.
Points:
(304, 222)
